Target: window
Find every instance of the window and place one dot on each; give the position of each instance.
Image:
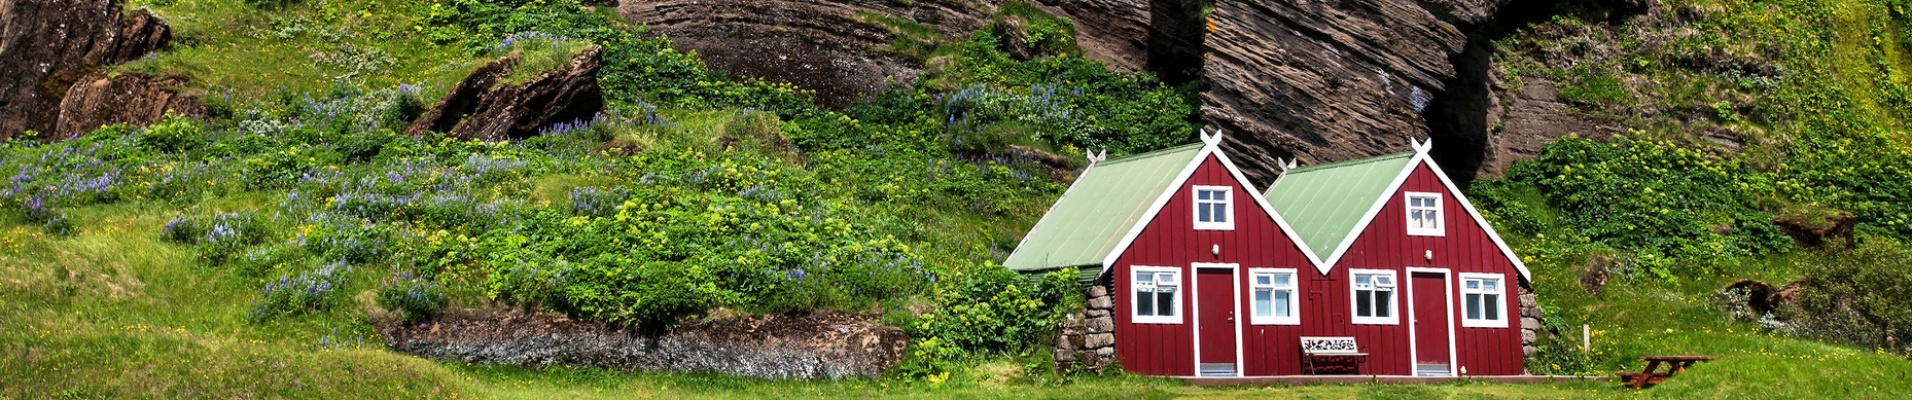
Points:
(1212, 210)
(1484, 300)
(1424, 214)
(1156, 299)
(1374, 297)
(1273, 297)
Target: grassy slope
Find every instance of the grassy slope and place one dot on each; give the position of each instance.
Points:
(112, 312)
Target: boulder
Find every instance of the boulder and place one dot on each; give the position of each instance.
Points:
(104, 98)
(47, 45)
(817, 346)
(485, 107)
(1818, 228)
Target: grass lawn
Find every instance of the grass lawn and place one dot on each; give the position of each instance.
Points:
(115, 312)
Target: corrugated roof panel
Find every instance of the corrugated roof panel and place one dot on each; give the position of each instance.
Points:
(1099, 210)
(1324, 202)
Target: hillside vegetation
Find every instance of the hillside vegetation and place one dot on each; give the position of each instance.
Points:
(249, 253)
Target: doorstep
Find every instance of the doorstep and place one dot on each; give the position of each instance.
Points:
(1386, 379)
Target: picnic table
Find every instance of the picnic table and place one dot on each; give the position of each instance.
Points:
(1652, 375)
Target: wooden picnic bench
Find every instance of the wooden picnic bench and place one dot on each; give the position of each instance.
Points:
(1337, 354)
(1652, 375)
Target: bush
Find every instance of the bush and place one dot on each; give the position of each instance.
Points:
(174, 134)
(415, 298)
(994, 309)
(1864, 299)
(311, 291)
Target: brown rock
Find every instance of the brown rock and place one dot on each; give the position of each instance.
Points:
(103, 99)
(1816, 231)
(1099, 340)
(1103, 324)
(484, 107)
(1101, 303)
(45, 46)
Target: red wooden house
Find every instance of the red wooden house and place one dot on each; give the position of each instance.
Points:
(1210, 278)
(1408, 268)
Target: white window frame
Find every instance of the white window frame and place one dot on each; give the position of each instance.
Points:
(1440, 215)
(1294, 296)
(1500, 306)
(1394, 298)
(1228, 208)
(1135, 301)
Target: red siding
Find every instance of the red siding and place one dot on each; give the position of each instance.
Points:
(1170, 240)
(1385, 245)
(1256, 242)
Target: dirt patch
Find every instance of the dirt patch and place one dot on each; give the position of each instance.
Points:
(816, 346)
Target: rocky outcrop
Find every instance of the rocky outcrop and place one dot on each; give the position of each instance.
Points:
(817, 346)
(1112, 31)
(1328, 81)
(46, 46)
(1531, 318)
(1087, 341)
(838, 48)
(486, 107)
(104, 98)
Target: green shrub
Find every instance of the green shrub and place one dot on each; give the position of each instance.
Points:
(993, 309)
(311, 291)
(1864, 299)
(174, 134)
(415, 298)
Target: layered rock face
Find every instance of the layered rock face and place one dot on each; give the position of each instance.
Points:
(838, 48)
(1326, 81)
(486, 107)
(102, 99)
(772, 347)
(47, 45)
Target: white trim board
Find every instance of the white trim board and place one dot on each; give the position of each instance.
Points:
(1413, 349)
(1195, 316)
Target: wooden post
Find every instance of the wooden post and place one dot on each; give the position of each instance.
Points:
(1586, 338)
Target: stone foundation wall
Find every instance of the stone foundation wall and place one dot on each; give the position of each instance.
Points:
(1529, 322)
(1088, 338)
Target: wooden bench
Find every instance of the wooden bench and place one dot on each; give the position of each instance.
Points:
(1652, 375)
(1339, 354)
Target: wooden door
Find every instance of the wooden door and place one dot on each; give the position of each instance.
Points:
(1430, 318)
(1216, 298)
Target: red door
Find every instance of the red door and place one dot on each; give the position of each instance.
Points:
(1215, 292)
(1430, 321)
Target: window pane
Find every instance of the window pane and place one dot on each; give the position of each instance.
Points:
(1144, 277)
(1362, 280)
(1165, 303)
(1282, 280)
(1281, 304)
(1473, 284)
(1384, 281)
(1381, 301)
(1491, 285)
(1493, 307)
(1363, 306)
(1264, 302)
(1473, 306)
(1145, 305)
(1264, 280)
(1221, 212)
(1204, 217)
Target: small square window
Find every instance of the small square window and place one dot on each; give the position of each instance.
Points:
(1483, 301)
(1156, 295)
(1214, 208)
(1273, 298)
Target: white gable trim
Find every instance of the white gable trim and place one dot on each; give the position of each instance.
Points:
(1421, 157)
(1482, 221)
(1209, 147)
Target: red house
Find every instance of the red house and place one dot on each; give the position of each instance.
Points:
(1209, 277)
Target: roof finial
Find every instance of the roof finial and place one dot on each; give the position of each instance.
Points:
(1422, 146)
(1211, 140)
(1094, 158)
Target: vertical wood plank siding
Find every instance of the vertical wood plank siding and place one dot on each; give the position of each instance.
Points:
(1170, 240)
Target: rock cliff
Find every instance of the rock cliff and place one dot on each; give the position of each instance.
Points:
(47, 45)
(103, 98)
(485, 106)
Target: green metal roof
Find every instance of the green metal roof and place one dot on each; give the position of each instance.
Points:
(1324, 202)
(1093, 216)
